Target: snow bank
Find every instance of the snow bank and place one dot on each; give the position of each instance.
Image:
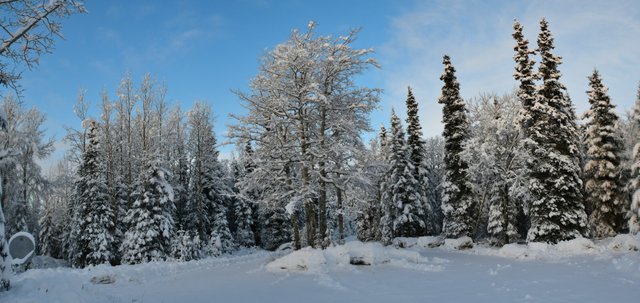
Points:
(39, 262)
(430, 242)
(459, 243)
(349, 256)
(623, 243)
(564, 249)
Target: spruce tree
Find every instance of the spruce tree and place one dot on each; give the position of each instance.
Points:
(368, 219)
(5, 261)
(204, 168)
(526, 76)
(458, 203)
(250, 195)
(526, 93)
(92, 216)
(19, 214)
(244, 222)
(275, 227)
(220, 241)
(557, 211)
(186, 246)
(403, 209)
(602, 171)
(416, 146)
(634, 183)
(52, 229)
(151, 225)
(98, 225)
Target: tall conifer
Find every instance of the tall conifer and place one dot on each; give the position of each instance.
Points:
(604, 147)
(458, 203)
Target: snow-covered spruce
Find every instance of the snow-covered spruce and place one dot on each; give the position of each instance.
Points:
(150, 221)
(275, 227)
(186, 246)
(634, 183)
(401, 200)
(416, 152)
(208, 190)
(5, 260)
(244, 223)
(90, 191)
(98, 223)
(241, 210)
(220, 240)
(603, 183)
(370, 212)
(557, 210)
(457, 202)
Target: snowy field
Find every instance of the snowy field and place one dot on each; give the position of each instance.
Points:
(573, 271)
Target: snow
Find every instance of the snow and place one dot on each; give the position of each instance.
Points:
(345, 257)
(579, 270)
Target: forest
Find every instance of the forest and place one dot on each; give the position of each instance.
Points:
(144, 179)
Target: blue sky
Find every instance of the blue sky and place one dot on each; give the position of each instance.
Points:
(203, 49)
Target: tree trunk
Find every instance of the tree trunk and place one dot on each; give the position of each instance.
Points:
(310, 213)
(295, 226)
(322, 218)
(340, 215)
(296, 231)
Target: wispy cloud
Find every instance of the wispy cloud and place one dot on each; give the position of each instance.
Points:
(478, 37)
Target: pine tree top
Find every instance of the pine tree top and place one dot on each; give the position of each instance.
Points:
(524, 65)
(414, 130)
(451, 89)
(549, 63)
(599, 99)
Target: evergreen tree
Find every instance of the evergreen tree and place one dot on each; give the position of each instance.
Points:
(98, 223)
(526, 93)
(244, 222)
(526, 76)
(557, 211)
(150, 231)
(275, 227)
(457, 202)
(203, 169)
(250, 194)
(368, 218)
(207, 208)
(186, 246)
(5, 261)
(602, 171)
(634, 183)
(401, 200)
(434, 156)
(220, 241)
(19, 213)
(52, 229)
(417, 150)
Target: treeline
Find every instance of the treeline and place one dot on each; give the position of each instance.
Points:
(513, 168)
(143, 180)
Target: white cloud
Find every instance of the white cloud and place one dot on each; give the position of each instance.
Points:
(477, 35)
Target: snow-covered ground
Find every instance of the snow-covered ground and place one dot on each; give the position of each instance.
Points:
(573, 271)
